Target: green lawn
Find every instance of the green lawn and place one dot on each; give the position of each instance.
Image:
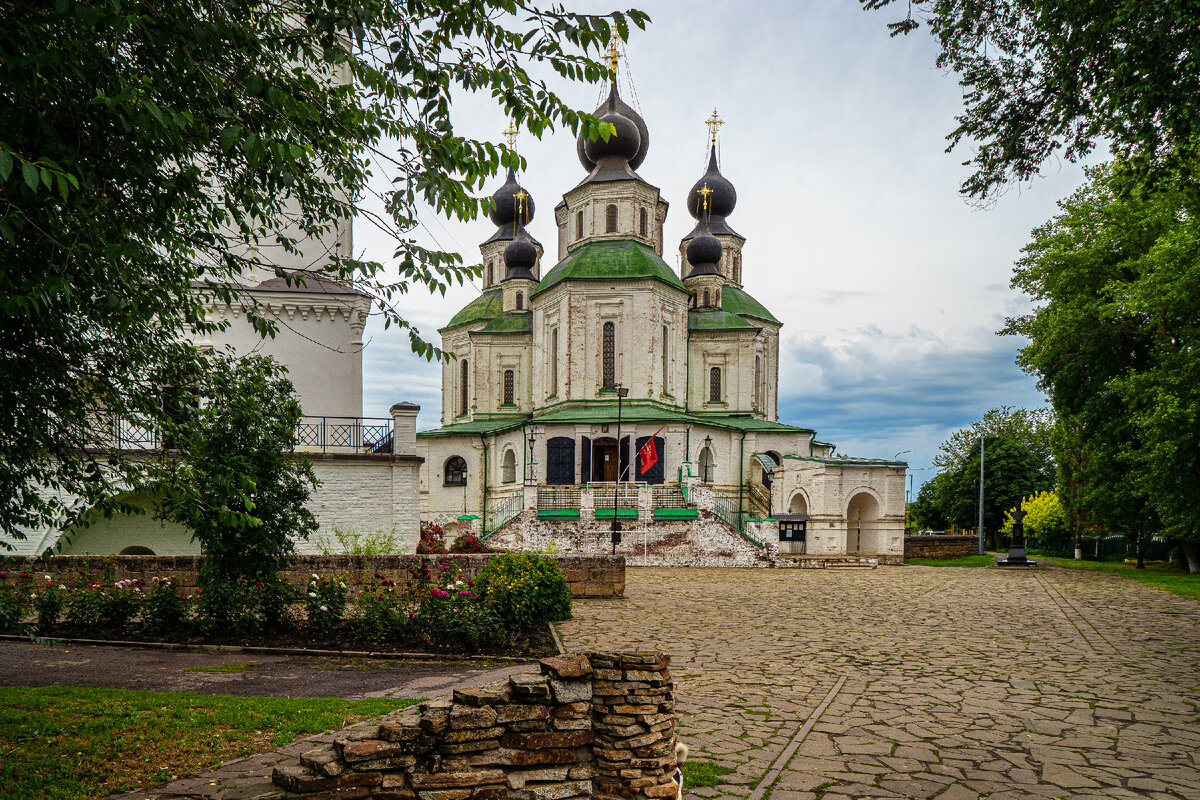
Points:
(1164, 576)
(704, 773)
(962, 561)
(62, 742)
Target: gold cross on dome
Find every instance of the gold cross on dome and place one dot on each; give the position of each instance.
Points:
(520, 198)
(704, 193)
(614, 55)
(714, 123)
(510, 135)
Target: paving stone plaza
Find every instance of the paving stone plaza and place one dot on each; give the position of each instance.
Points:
(920, 681)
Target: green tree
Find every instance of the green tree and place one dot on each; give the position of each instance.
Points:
(150, 149)
(1010, 472)
(236, 483)
(1047, 78)
(924, 512)
(1114, 341)
(1045, 517)
(1030, 427)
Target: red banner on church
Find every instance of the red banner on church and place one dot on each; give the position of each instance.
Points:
(648, 455)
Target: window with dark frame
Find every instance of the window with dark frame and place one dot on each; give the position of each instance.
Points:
(610, 219)
(714, 385)
(554, 362)
(642, 226)
(491, 274)
(520, 301)
(579, 225)
(664, 358)
(609, 355)
(509, 386)
(455, 472)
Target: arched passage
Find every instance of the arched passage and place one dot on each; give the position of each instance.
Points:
(798, 504)
(508, 467)
(862, 523)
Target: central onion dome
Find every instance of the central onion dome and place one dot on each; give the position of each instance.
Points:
(630, 142)
(722, 197)
(704, 253)
(504, 203)
(520, 256)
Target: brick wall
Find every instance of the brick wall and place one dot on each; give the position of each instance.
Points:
(597, 725)
(588, 576)
(940, 546)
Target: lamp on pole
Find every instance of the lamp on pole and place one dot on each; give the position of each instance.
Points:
(981, 494)
(707, 474)
(622, 393)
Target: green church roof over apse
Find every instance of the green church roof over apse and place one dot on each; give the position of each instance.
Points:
(611, 259)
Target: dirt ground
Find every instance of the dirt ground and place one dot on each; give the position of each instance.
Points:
(28, 664)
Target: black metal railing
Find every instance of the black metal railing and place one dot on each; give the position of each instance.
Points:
(669, 497)
(345, 434)
(602, 495)
(558, 497)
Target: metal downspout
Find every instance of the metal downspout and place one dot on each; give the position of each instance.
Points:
(483, 485)
(741, 481)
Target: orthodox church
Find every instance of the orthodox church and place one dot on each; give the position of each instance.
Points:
(610, 387)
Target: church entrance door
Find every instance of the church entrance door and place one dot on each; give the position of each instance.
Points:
(604, 460)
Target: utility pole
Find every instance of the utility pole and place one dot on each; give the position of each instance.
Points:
(981, 494)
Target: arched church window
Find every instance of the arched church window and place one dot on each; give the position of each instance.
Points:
(462, 387)
(758, 381)
(664, 357)
(714, 385)
(609, 355)
(610, 219)
(491, 274)
(706, 465)
(642, 226)
(554, 362)
(520, 301)
(455, 472)
(508, 467)
(717, 299)
(579, 225)
(705, 304)
(509, 387)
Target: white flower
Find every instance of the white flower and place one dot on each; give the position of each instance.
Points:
(343, 584)
(312, 594)
(316, 577)
(323, 608)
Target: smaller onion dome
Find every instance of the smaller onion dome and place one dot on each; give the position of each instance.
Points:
(624, 143)
(520, 256)
(626, 111)
(722, 197)
(504, 203)
(704, 253)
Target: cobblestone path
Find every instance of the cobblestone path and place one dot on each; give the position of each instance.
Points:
(920, 681)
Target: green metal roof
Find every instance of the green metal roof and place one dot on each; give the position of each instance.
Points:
(737, 301)
(511, 322)
(605, 411)
(850, 461)
(718, 321)
(750, 424)
(475, 427)
(611, 259)
(488, 305)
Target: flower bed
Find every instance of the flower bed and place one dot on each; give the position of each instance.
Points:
(504, 610)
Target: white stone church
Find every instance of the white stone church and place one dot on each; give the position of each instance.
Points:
(563, 375)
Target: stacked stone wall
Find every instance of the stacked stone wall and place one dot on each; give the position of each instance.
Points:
(940, 546)
(597, 725)
(587, 575)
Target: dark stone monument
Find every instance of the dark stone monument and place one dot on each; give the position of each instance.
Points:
(1016, 547)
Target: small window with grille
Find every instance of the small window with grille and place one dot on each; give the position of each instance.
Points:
(609, 355)
(610, 219)
(714, 385)
(642, 222)
(462, 388)
(509, 387)
(579, 225)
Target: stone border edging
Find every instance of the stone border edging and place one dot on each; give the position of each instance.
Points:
(285, 651)
(785, 757)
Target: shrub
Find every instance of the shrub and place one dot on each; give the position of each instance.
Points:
(372, 543)
(450, 611)
(433, 539)
(49, 601)
(164, 608)
(525, 589)
(468, 543)
(242, 605)
(14, 600)
(325, 601)
(119, 603)
(380, 612)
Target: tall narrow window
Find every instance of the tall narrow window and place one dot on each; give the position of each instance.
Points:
(642, 226)
(705, 305)
(610, 355)
(714, 385)
(462, 388)
(758, 381)
(664, 358)
(520, 301)
(610, 219)
(554, 362)
(509, 387)
(579, 225)
(491, 274)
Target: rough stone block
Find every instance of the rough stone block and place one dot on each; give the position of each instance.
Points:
(462, 716)
(389, 763)
(395, 731)
(571, 691)
(505, 714)
(301, 779)
(584, 773)
(372, 749)
(529, 725)
(668, 789)
(453, 748)
(575, 666)
(325, 760)
(518, 778)
(571, 711)
(444, 794)
(529, 758)
(529, 686)
(490, 695)
(443, 780)
(560, 791)
(571, 724)
(472, 734)
(551, 739)
(490, 793)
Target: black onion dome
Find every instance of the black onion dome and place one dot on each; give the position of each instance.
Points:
(614, 100)
(722, 197)
(520, 256)
(504, 202)
(704, 253)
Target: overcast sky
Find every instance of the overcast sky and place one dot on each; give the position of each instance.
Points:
(890, 286)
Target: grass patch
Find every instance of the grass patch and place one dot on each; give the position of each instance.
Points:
(220, 668)
(62, 742)
(1165, 576)
(704, 773)
(984, 560)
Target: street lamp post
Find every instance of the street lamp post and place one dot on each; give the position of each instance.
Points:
(707, 476)
(622, 393)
